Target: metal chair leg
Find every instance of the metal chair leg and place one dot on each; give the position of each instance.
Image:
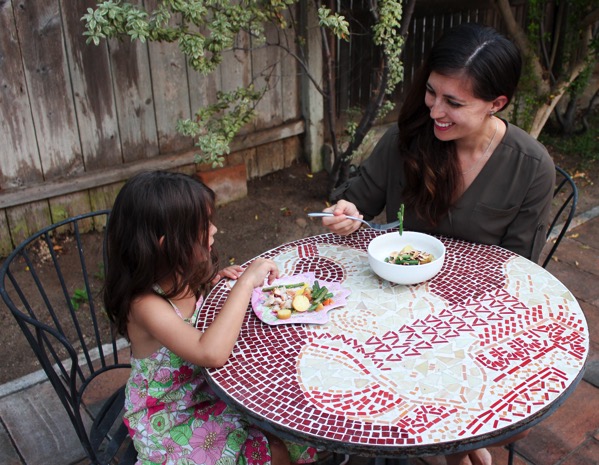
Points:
(510, 457)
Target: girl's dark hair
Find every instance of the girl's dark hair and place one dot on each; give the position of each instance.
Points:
(151, 206)
(493, 65)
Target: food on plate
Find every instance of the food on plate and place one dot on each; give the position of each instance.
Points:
(287, 299)
(409, 256)
(284, 314)
(300, 303)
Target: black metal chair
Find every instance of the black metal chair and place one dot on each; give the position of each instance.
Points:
(565, 198)
(65, 324)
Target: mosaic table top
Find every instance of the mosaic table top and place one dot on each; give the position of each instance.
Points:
(490, 345)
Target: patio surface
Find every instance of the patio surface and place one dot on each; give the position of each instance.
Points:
(35, 430)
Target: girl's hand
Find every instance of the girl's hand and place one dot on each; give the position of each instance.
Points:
(339, 224)
(230, 272)
(258, 271)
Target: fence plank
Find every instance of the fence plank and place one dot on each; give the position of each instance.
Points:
(65, 206)
(92, 87)
(170, 89)
(270, 158)
(103, 197)
(266, 72)
(5, 239)
(122, 172)
(169, 86)
(131, 73)
(28, 219)
(202, 88)
(290, 72)
(47, 77)
(20, 160)
(235, 70)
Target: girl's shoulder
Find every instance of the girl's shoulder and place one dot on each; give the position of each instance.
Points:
(148, 296)
(147, 302)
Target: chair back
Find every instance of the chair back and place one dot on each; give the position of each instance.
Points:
(565, 197)
(52, 284)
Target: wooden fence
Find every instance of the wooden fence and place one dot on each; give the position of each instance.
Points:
(77, 120)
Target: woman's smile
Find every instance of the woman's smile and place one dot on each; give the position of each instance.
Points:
(441, 126)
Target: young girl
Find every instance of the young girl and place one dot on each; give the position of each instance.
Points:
(160, 238)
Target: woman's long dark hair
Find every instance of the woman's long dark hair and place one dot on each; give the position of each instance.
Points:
(151, 206)
(493, 64)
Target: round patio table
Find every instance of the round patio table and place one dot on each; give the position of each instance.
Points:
(487, 348)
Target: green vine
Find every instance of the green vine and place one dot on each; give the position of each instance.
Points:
(203, 30)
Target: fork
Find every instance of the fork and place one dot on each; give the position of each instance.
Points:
(378, 227)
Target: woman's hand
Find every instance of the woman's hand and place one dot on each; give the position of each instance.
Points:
(339, 224)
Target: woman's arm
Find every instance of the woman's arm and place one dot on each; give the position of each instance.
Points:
(377, 183)
(378, 179)
(526, 235)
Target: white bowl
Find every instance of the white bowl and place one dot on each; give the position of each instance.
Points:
(382, 246)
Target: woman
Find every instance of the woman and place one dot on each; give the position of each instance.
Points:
(459, 169)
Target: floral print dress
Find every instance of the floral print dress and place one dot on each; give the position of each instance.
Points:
(175, 418)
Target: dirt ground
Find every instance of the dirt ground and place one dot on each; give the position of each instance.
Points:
(274, 212)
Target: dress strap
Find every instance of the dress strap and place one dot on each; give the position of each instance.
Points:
(158, 290)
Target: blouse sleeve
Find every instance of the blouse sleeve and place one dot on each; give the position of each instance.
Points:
(526, 235)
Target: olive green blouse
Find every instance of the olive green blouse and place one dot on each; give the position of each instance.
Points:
(507, 204)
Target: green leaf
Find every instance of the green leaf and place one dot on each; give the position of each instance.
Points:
(181, 434)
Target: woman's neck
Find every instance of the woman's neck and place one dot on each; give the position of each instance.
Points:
(474, 147)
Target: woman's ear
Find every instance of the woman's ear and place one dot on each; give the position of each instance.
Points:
(499, 104)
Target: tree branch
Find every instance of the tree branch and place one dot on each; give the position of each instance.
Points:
(591, 18)
(521, 40)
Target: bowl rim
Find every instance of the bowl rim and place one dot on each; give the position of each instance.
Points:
(418, 234)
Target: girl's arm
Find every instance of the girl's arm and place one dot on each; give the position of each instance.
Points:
(213, 347)
(218, 340)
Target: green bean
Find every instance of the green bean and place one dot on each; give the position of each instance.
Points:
(317, 297)
(324, 294)
(286, 286)
(406, 262)
(400, 214)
